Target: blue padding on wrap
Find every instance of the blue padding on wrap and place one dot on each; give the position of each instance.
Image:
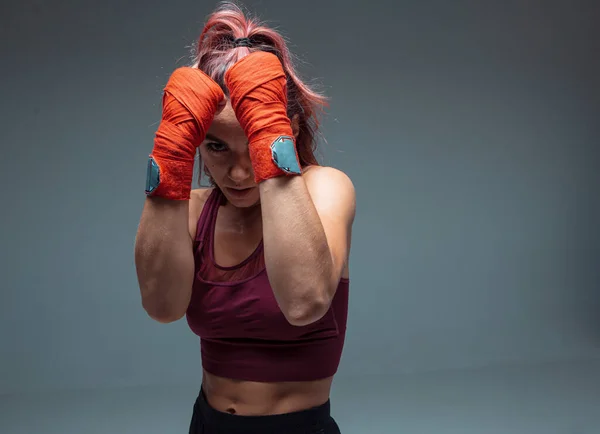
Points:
(283, 152)
(152, 176)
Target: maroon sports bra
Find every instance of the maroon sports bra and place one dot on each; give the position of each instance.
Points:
(243, 333)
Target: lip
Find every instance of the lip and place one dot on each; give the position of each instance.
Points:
(239, 193)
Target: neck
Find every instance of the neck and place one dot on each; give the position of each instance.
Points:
(244, 216)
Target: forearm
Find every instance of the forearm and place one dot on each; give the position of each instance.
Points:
(164, 258)
(297, 256)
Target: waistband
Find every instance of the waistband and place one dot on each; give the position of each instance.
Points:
(305, 421)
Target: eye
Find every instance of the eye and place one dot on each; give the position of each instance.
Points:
(216, 147)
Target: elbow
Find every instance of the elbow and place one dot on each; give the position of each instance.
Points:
(164, 317)
(306, 313)
(162, 312)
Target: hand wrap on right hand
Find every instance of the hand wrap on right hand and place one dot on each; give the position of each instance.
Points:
(190, 101)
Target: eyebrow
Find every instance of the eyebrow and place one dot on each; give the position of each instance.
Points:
(215, 139)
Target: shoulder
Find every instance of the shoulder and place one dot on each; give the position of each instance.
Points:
(331, 187)
(323, 179)
(198, 198)
(328, 177)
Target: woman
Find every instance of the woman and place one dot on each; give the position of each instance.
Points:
(259, 262)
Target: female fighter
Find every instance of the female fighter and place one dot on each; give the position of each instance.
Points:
(258, 262)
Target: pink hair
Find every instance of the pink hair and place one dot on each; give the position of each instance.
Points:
(215, 53)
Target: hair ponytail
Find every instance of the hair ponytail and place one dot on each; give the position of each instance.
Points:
(216, 52)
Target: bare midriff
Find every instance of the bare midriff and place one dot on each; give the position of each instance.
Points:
(248, 398)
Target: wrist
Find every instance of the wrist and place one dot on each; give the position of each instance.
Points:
(170, 166)
(274, 156)
(169, 178)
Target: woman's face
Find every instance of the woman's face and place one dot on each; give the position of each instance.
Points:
(225, 154)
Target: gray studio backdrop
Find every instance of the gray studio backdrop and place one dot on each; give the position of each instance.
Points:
(470, 130)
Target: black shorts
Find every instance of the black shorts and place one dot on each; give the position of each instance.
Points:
(207, 420)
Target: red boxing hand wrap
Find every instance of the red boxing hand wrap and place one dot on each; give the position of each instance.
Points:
(190, 101)
(258, 93)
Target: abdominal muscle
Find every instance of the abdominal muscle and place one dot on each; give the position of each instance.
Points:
(249, 398)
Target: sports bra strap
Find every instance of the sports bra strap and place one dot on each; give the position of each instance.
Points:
(208, 215)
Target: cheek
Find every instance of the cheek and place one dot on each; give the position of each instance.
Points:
(213, 163)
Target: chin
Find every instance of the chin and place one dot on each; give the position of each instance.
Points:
(243, 199)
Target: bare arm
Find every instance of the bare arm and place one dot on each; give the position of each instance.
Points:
(164, 258)
(307, 222)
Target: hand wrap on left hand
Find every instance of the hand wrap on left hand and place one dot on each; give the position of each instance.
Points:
(258, 94)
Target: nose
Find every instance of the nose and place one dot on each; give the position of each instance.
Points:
(241, 171)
